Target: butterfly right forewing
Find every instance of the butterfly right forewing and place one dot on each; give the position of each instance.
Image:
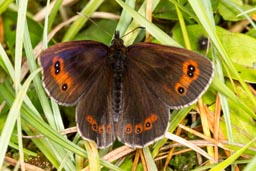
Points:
(175, 75)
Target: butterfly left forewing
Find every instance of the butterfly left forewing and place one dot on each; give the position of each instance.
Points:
(70, 68)
(176, 75)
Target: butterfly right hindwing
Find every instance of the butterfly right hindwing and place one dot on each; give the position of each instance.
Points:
(144, 118)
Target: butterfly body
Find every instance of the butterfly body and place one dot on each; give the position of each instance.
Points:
(118, 63)
(124, 92)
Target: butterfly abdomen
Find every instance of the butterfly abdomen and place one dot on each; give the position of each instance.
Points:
(117, 98)
(118, 66)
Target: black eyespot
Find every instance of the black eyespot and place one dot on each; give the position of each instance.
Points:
(191, 68)
(148, 124)
(64, 87)
(57, 67)
(190, 74)
(138, 130)
(181, 90)
(57, 71)
(57, 64)
(94, 126)
(128, 128)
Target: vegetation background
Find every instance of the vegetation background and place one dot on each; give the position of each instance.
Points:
(218, 133)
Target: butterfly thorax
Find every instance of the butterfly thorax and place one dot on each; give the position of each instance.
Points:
(117, 62)
(118, 56)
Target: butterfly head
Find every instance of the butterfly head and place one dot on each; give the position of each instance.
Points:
(117, 43)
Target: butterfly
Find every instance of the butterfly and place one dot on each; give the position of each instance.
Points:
(123, 93)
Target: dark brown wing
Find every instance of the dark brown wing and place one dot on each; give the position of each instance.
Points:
(158, 78)
(175, 75)
(71, 68)
(94, 113)
(144, 117)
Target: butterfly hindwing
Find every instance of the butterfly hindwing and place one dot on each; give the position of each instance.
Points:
(144, 118)
(94, 112)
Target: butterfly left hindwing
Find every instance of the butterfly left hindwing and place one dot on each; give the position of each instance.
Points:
(94, 112)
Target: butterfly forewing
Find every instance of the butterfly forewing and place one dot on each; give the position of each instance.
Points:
(71, 68)
(177, 76)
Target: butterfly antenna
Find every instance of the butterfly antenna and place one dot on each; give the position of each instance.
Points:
(91, 20)
(133, 30)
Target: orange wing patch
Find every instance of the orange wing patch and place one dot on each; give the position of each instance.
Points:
(190, 73)
(140, 127)
(99, 128)
(63, 79)
(128, 128)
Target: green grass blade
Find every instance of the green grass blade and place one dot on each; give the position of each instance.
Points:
(151, 28)
(12, 116)
(79, 23)
(19, 41)
(232, 158)
(210, 29)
